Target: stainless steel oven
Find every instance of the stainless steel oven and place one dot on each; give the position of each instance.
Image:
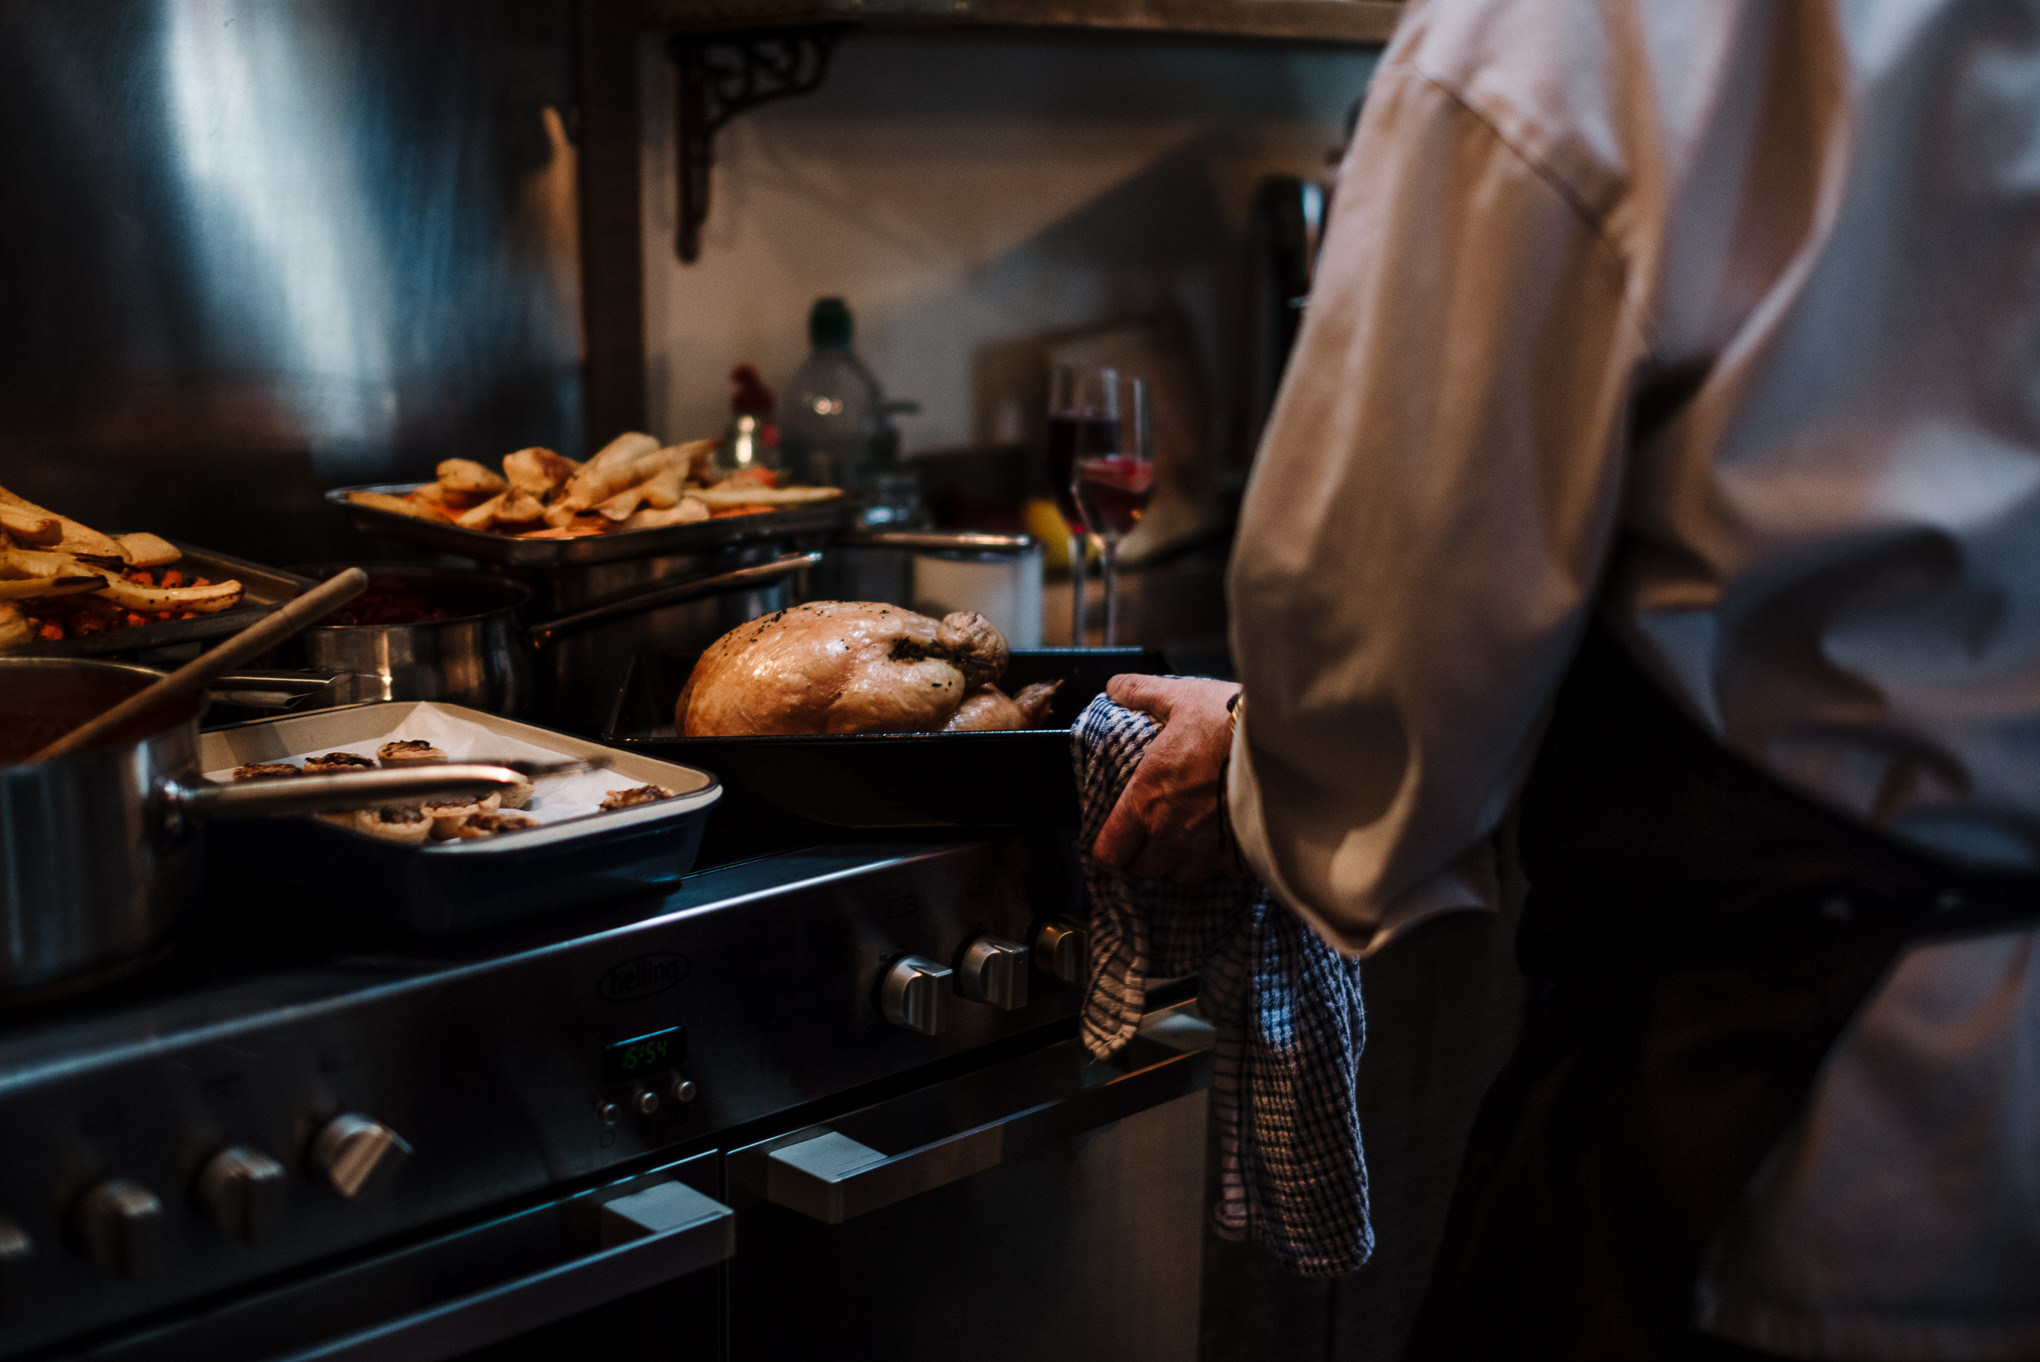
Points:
(1038, 1208)
(819, 1104)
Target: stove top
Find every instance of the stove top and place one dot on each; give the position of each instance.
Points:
(475, 1069)
(253, 929)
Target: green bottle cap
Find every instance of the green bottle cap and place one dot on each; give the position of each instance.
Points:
(829, 322)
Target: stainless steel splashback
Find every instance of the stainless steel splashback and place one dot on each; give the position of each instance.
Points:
(254, 248)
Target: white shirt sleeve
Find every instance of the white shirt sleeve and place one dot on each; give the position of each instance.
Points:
(1428, 520)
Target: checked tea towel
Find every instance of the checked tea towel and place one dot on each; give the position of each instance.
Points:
(1286, 1006)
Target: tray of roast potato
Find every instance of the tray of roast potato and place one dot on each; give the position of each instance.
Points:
(860, 715)
(68, 590)
(636, 497)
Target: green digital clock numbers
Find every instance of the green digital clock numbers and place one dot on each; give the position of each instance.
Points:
(633, 1060)
(644, 1054)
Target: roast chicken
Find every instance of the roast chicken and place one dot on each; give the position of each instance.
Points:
(854, 667)
(988, 707)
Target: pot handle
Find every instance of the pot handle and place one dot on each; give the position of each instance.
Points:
(282, 689)
(332, 794)
(742, 579)
(937, 541)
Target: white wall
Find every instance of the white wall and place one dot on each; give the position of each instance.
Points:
(971, 196)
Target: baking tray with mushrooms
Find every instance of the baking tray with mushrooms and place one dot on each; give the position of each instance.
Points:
(632, 824)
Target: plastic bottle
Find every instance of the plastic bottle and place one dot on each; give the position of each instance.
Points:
(832, 417)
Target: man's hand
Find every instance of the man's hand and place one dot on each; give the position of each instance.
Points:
(1169, 822)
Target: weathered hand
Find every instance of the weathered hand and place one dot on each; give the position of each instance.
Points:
(1169, 822)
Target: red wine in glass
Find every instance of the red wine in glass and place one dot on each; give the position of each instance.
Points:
(1084, 415)
(1115, 489)
(1074, 436)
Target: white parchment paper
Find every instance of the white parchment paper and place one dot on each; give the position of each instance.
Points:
(555, 799)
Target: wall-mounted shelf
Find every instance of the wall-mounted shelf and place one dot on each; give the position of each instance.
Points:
(1332, 22)
(733, 55)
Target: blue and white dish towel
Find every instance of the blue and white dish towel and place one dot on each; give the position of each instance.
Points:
(1286, 1006)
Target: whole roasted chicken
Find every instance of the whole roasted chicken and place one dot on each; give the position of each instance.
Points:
(855, 667)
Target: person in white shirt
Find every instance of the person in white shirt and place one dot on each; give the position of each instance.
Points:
(1662, 449)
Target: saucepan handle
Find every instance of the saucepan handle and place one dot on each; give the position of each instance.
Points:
(673, 593)
(937, 541)
(282, 689)
(333, 794)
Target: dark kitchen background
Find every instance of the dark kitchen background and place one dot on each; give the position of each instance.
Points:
(256, 250)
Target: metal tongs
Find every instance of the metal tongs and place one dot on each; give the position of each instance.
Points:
(532, 770)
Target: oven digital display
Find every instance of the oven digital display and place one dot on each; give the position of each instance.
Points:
(629, 1060)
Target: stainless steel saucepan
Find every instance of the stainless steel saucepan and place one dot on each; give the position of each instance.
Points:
(485, 657)
(100, 851)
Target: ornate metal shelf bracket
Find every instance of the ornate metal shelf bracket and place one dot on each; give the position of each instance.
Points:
(721, 76)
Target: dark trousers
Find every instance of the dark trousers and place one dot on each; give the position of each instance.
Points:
(1697, 936)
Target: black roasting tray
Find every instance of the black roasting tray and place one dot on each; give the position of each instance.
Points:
(889, 780)
(547, 555)
(262, 590)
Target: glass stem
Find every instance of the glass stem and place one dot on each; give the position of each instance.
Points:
(1110, 546)
(1078, 548)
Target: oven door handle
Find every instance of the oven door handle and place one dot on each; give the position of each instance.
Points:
(830, 1176)
(657, 1233)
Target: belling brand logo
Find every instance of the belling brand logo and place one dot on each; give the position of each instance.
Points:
(642, 977)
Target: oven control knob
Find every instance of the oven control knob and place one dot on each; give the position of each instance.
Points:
(120, 1227)
(915, 994)
(241, 1190)
(994, 971)
(643, 1100)
(350, 1150)
(1059, 949)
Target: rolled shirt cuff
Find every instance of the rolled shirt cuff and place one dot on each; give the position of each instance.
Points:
(1357, 924)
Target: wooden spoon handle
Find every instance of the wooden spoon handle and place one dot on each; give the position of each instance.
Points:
(258, 637)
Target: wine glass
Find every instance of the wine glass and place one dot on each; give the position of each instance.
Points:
(1113, 487)
(1083, 421)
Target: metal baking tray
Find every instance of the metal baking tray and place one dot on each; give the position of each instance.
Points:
(262, 590)
(448, 887)
(538, 555)
(1020, 778)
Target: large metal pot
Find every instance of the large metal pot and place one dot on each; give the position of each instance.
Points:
(490, 655)
(100, 852)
